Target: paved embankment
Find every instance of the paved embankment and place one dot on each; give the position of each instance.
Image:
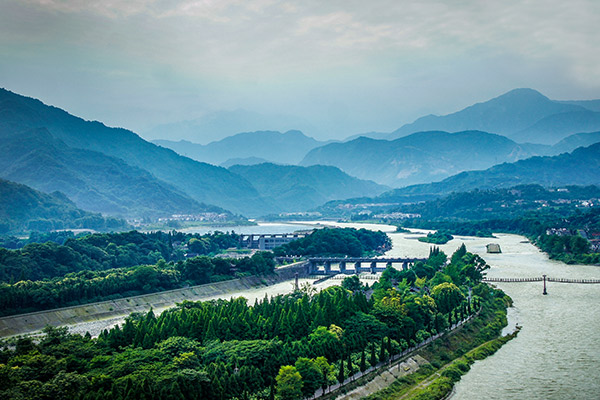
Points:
(116, 310)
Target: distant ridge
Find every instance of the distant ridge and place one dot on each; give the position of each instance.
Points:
(283, 148)
(202, 182)
(418, 158)
(515, 115)
(294, 188)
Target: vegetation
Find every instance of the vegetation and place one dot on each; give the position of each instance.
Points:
(103, 251)
(336, 242)
(23, 209)
(438, 237)
(287, 346)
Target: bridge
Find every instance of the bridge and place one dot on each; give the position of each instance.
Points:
(268, 241)
(544, 279)
(355, 264)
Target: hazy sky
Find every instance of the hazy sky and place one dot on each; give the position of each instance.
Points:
(342, 66)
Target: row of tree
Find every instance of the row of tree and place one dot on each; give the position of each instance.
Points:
(48, 258)
(88, 286)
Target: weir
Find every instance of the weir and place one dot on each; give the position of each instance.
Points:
(374, 264)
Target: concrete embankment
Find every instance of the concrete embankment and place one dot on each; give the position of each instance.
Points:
(119, 308)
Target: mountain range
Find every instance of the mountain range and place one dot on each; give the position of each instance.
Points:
(580, 167)
(417, 158)
(524, 115)
(283, 148)
(296, 188)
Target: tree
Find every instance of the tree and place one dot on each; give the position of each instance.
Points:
(289, 383)
(363, 361)
(447, 296)
(340, 377)
(352, 283)
(373, 359)
(311, 375)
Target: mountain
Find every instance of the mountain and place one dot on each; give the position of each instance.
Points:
(553, 128)
(202, 182)
(572, 142)
(417, 158)
(243, 161)
(294, 188)
(94, 181)
(581, 167)
(283, 148)
(515, 115)
(23, 209)
(220, 124)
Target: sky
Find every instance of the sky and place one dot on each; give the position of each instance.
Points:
(333, 68)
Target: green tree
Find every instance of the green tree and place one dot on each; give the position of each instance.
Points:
(289, 383)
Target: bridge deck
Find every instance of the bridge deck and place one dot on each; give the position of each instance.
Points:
(556, 280)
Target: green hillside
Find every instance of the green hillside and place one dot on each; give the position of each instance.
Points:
(25, 209)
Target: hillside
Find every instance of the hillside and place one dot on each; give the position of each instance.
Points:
(581, 167)
(512, 114)
(294, 188)
(418, 158)
(94, 181)
(283, 148)
(200, 181)
(25, 209)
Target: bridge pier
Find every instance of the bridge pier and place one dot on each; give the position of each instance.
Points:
(373, 267)
(312, 266)
(343, 267)
(545, 291)
(327, 267)
(405, 265)
(357, 267)
(388, 264)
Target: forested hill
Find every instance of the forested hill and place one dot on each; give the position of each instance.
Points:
(422, 157)
(581, 167)
(93, 180)
(294, 188)
(25, 209)
(200, 181)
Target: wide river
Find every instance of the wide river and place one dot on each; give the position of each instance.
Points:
(557, 353)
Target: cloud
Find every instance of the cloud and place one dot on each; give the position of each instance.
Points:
(333, 60)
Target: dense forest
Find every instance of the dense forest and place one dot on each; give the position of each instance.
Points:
(103, 251)
(285, 346)
(337, 242)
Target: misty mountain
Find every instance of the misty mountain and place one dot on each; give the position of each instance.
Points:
(581, 167)
(220, 124)
(283, 148)
(418, 158)
(552, 129)
(243, 161)
(515, 115)
(572, 142)
(200, 181)
(294, 188)
(94, 181)
(23, 209)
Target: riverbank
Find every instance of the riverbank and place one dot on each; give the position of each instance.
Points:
(94, 317)
(429, 381)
